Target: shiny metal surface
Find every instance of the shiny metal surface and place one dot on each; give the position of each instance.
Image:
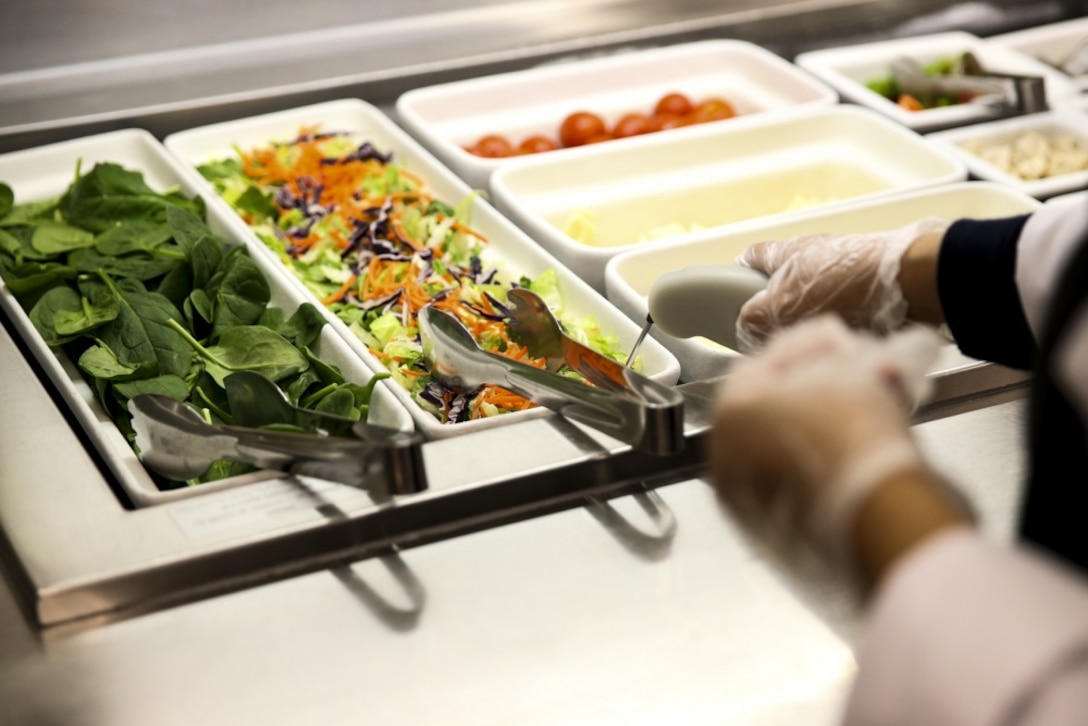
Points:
(599, 615)
(174, 441)
(641, 412)
(79, 552)
(69, 69)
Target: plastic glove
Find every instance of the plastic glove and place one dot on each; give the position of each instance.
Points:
(806, 428)
(853, 275)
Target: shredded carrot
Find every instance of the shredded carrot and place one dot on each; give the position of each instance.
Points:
(910, 103)
(339, 294)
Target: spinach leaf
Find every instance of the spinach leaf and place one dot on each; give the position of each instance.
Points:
(249, 347)
(297, 387)
(141, 334)
(256, 348)
(29, 279)
(176, 284)
(138, 266)
(302, 328)
(52, 303)
(110, 193)
(167, 385)
(198, 304)
(29, 213)
(54, 238)
(18, 242)
(328, 372)
(186, 227)
(7, 200)
(240, 292)
(224, 169)
(97, 306)
(100, 362)
(340, 401)
(131, 235)
(254, 201)
(205, 256)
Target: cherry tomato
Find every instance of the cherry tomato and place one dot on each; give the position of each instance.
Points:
(598, 138)
(493, 146)
(632, 124)
(666, 121)
(674, 103)
(580, 126)
(537, 144)
(712, 109)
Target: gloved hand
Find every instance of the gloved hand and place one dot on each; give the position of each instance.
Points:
(804, 429)
(854, 275)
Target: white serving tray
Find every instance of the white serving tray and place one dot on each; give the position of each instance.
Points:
(1080, 197)
(631, 275)
(1052, 43)
(448, 117)
(716, 176)
(507, 246)
(45, 172)
(847, 70)
(1063, 122)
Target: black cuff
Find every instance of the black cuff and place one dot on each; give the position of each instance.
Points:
(976, 282)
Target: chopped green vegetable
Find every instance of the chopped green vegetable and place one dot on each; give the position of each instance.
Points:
(132, 285)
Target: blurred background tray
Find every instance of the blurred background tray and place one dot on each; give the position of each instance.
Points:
(849, 68)
(1051, 43)
(446, 118)
(592, 203)
(630, 276)
(1041, 154)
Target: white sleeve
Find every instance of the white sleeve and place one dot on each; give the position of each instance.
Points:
(1047, 241)
(967, 632)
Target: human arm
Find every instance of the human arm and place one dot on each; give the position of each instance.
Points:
(811, 450)
(812, 456)
(975, 275)
(968, 631)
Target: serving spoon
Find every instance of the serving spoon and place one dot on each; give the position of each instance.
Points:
(532, 323)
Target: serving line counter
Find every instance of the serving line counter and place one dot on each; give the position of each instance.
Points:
(570, 579)
(638, 609)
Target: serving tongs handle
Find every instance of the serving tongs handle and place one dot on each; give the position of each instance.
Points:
(175, 441)
(1021, 93)
(645, 416)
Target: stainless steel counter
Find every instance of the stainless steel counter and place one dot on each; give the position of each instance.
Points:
(598, 615)
(68, 69)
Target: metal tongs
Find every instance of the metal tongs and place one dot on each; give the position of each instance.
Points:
(1020, 94)
(622, 403)
(175, 441)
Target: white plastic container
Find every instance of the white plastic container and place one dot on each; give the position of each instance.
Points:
(630, 276)
(45, 172)
(448, 117)
(1080, 197)
(670, 187)
(849, 68)
(1052, 43)
(1001, 136)
(508, 247)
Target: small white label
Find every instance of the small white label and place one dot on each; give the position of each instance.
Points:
(258, 506)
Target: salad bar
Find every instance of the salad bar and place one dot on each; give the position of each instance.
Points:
(401, 325)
